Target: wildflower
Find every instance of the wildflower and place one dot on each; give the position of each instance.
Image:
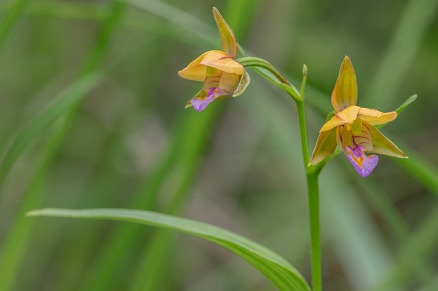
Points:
(221, 73)
(352, 128)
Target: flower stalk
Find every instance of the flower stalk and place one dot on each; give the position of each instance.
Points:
(312, 171)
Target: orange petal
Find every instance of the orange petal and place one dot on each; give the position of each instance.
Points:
(345, 92)
(211, 82)
(375, 117)
(325, 146)
(225, 64)
(346, 116)
(229, 82)
(382, 145)
(228, 39)
(196, 70)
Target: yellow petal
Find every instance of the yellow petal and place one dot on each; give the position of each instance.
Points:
(345, 92)
(229, 82)
(364, 139)
(346, 116)
(325, 146)
(212, 56)
(228, 39)
(375, 117)
(195, 70)
(382, 145)
(211, 82)
(225, 64)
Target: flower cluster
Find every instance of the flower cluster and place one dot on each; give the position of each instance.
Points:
(352, 128)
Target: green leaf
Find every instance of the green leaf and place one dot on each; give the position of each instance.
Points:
(330, 115)
(274, 267)
(406, 103)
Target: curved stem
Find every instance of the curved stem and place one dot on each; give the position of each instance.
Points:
(253, 61)
(270, 73)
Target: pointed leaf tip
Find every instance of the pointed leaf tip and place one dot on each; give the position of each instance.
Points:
(405, 104)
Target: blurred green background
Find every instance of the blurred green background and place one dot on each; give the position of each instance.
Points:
(91, 116)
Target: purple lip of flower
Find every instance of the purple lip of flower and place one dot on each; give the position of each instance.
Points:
(363, 164)
(200, 104)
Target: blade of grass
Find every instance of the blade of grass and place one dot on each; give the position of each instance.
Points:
(9, 20)
(178, 18)
(396, 223)
(145, 197)
(67, 100)
(13, 249)
(278, 270)
(405, 44)
(423, 242)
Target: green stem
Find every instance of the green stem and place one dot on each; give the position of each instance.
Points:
(302, 120)
(257, 62)
(315, 250)
(312, 191)
(270, 73)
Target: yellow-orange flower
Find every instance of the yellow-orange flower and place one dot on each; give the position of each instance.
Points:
(221, 73)
(352, 128)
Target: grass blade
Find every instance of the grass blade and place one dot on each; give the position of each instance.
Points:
(15, 10)
(278, 270)
(406, 42)
(68, 99)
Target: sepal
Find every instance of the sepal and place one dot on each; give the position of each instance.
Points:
(243, 84)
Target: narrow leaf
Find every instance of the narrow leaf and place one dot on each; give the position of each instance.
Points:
(274, 267)
(406, 103)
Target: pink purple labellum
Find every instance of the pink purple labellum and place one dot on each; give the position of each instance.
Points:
(200, 104)
(362, 163)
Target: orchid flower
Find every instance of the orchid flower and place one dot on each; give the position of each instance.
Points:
(352, 128)
(218, 69)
